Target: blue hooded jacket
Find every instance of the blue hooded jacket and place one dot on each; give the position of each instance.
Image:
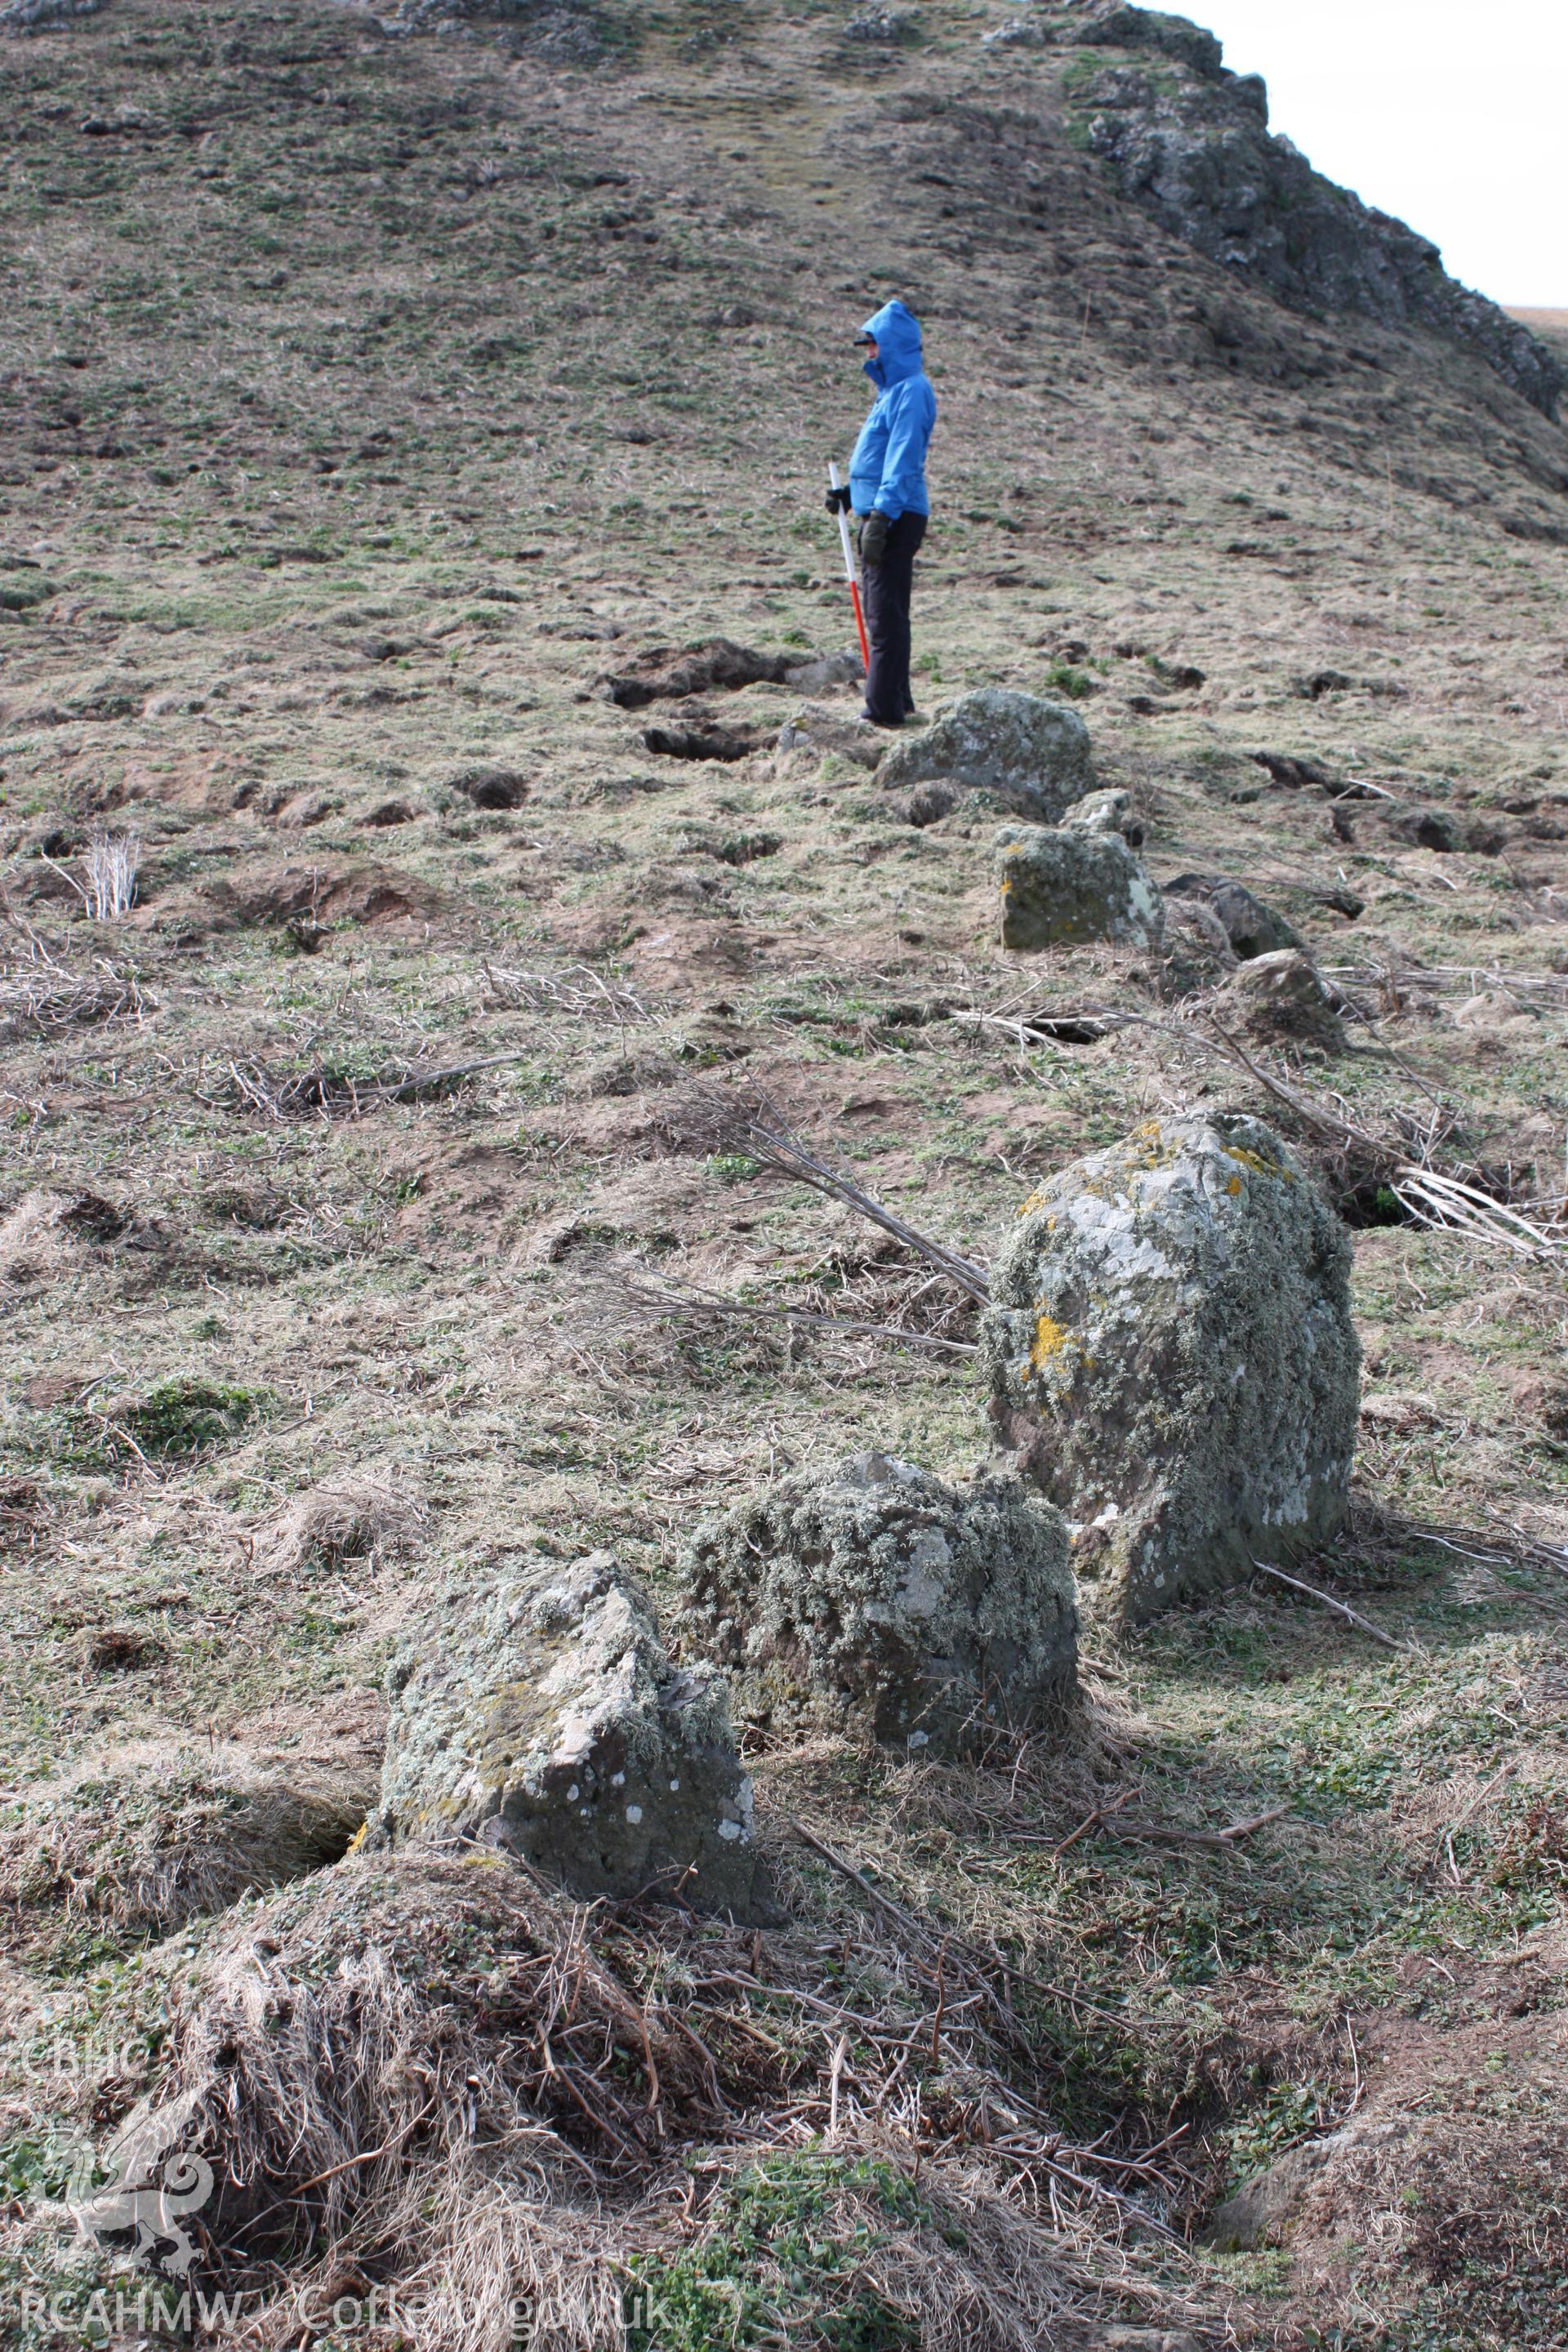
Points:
(888, 469)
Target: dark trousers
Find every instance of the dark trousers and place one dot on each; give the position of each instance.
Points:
(888, 587)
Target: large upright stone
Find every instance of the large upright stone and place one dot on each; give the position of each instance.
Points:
(541, 1711)
(1028, 755)
(1170, 1352)
(1066, 885)
(873, 1591)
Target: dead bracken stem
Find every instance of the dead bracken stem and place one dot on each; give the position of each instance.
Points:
(1340, 1608)
(578, 991)
(754, 1126)
(112, 860)
(1447, 1205)
(627, 1295)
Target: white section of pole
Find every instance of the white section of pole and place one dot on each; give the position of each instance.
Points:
(849, 572)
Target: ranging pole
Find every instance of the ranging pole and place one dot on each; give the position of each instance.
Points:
(850, 570)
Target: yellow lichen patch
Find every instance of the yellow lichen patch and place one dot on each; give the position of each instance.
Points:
(1031, 1204)
(1050, 1339)
(1256, 1162)
(1146, 1148)
(1233, 1187)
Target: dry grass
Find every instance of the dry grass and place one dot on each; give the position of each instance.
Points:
(155, 1835)
(433, 2069)
(42, 994)
(365, 1516)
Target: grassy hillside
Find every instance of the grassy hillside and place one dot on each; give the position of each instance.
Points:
(371, 389)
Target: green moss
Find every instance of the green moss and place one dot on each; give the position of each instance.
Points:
(791, 2235)
(186, 1416)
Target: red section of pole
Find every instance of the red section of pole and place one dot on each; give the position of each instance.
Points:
(860, 625)
(850, 570)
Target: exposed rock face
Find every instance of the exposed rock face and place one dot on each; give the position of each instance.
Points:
(542, 1712)
(1064, 885)
(563, 32)
(872, 1588)
(1120, 27)
(1031, 755)
(1252, 928)
(1282, 1001)
(1171, 1351)
(1190, 143)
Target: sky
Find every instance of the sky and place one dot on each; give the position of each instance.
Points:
(1452, 115)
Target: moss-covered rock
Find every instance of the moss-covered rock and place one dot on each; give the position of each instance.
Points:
(1065, 885)
(1027, 754)
(1171, 1354)
(541, 1712)
(874, 1590)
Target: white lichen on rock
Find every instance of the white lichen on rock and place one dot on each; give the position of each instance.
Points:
(875, 1592)
(1171, 1358)
(541, 1711)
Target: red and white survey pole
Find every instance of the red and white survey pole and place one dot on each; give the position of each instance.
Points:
(849, 569)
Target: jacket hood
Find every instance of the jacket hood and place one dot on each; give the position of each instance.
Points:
(897, 334)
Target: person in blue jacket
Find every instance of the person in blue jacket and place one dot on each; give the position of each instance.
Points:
(887, 490)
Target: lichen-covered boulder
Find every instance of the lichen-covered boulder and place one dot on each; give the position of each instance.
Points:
(1170, 1355)
(541, 1711)
(1282, 1001)
(1064, 885)
(1026, 754)
(873, 1591)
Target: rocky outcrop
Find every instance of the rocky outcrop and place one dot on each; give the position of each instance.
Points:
(1190, 143)
(1068, 885)
(1026, 754)
(541, 1712)
(1171, 1355)
(924, 1611)
(560, 32)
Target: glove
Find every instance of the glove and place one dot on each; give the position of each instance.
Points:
(837, 502)
(874, 537)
